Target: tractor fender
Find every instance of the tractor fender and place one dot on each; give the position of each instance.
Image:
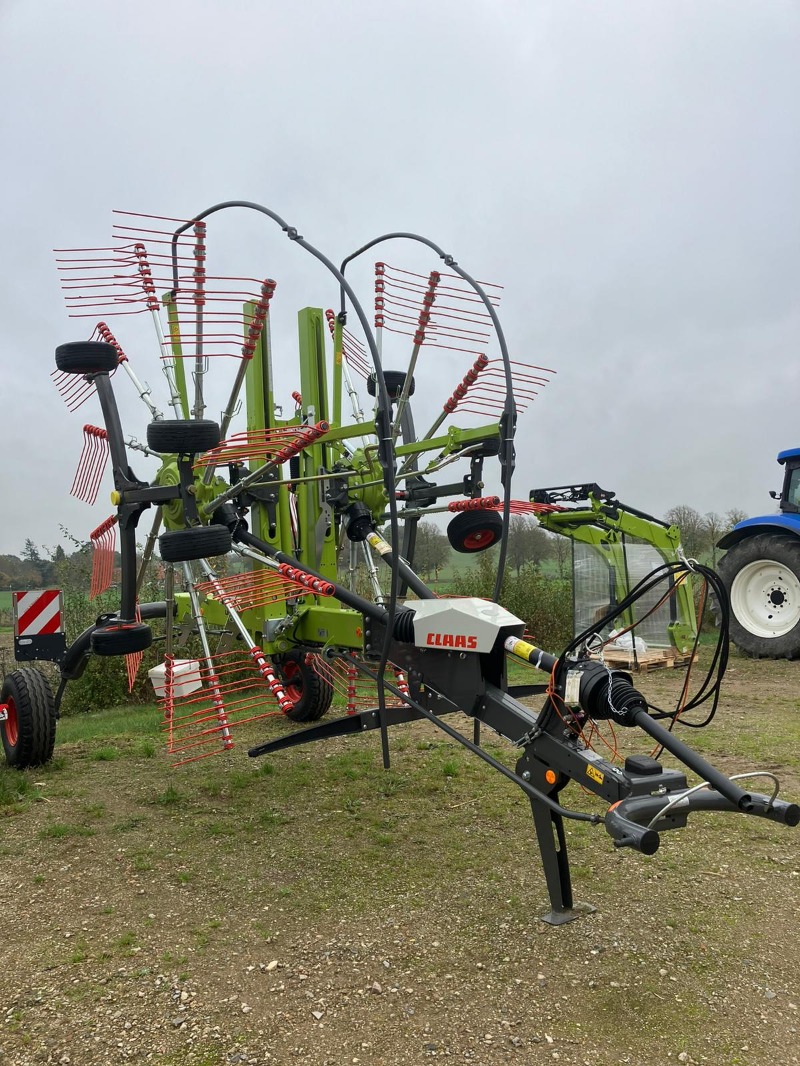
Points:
(777, 523)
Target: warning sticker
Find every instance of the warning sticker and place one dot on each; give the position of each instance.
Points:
(595, 774)
(37, 612)
(39, 625)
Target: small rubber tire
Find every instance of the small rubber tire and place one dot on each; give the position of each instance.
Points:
(489, 448)
(474, 531)
(395, 380)
(762, 577)
(197, 542)
(29, 732)
(183, 436)
(312, 694)
(87, 357)
(121, 638)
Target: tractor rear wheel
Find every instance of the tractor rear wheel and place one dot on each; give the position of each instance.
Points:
(762, 576)
(29, 730)
(312, 695)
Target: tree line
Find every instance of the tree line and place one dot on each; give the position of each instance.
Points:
(701, 532)
(528, 545)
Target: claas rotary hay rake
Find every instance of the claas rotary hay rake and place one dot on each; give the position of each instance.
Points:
(270, 535)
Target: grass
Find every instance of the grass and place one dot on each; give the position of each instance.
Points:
(59, 830)
(121, 723)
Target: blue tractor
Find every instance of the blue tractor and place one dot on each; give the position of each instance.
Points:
(761, 571)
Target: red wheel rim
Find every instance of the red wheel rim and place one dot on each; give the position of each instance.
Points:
(480, 538)
(292, 680)
(11, 725)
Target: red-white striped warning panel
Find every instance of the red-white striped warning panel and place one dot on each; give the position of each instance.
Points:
(38, 613)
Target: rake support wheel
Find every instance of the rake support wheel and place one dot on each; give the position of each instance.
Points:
(474, 531)
(122, 638)
(311, 693)
(86, 357)
(394, 380)
(29, 731)
(183, 436)
(197, 542)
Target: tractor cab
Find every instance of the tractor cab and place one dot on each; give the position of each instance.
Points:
(789, 498)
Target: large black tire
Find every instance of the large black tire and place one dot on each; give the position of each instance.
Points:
(474, 531)
(395, 380)
(29, 731)
(762, 577)
(87, 357)
(311, 693)
(198, 542)
(185, 437)
(121, 638)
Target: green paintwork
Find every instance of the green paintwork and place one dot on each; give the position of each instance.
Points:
(603, 527)
(327, 624)
(177, 351)
(173, 510)
(453, 441)
(336, 411)
(261, 417)
(183, 607)
(315, 519)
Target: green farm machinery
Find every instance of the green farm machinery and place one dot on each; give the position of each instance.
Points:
(614, 547)
(287, 545)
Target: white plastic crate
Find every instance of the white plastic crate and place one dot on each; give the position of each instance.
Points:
(185, 677)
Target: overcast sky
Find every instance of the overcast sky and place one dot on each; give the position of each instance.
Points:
(629, 171)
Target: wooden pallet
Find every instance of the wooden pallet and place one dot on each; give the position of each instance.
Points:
(654, 659)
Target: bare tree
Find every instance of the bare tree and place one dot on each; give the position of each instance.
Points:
(733, 518)
(527, 543)
(562, 552)
(432, 550)
(713, 527)
(692, 526)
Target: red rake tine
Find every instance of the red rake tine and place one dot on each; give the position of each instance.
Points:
(74, 390)
(133, 659)
(104, 543)
(91, 465)
(450, 405)
(229, 698)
